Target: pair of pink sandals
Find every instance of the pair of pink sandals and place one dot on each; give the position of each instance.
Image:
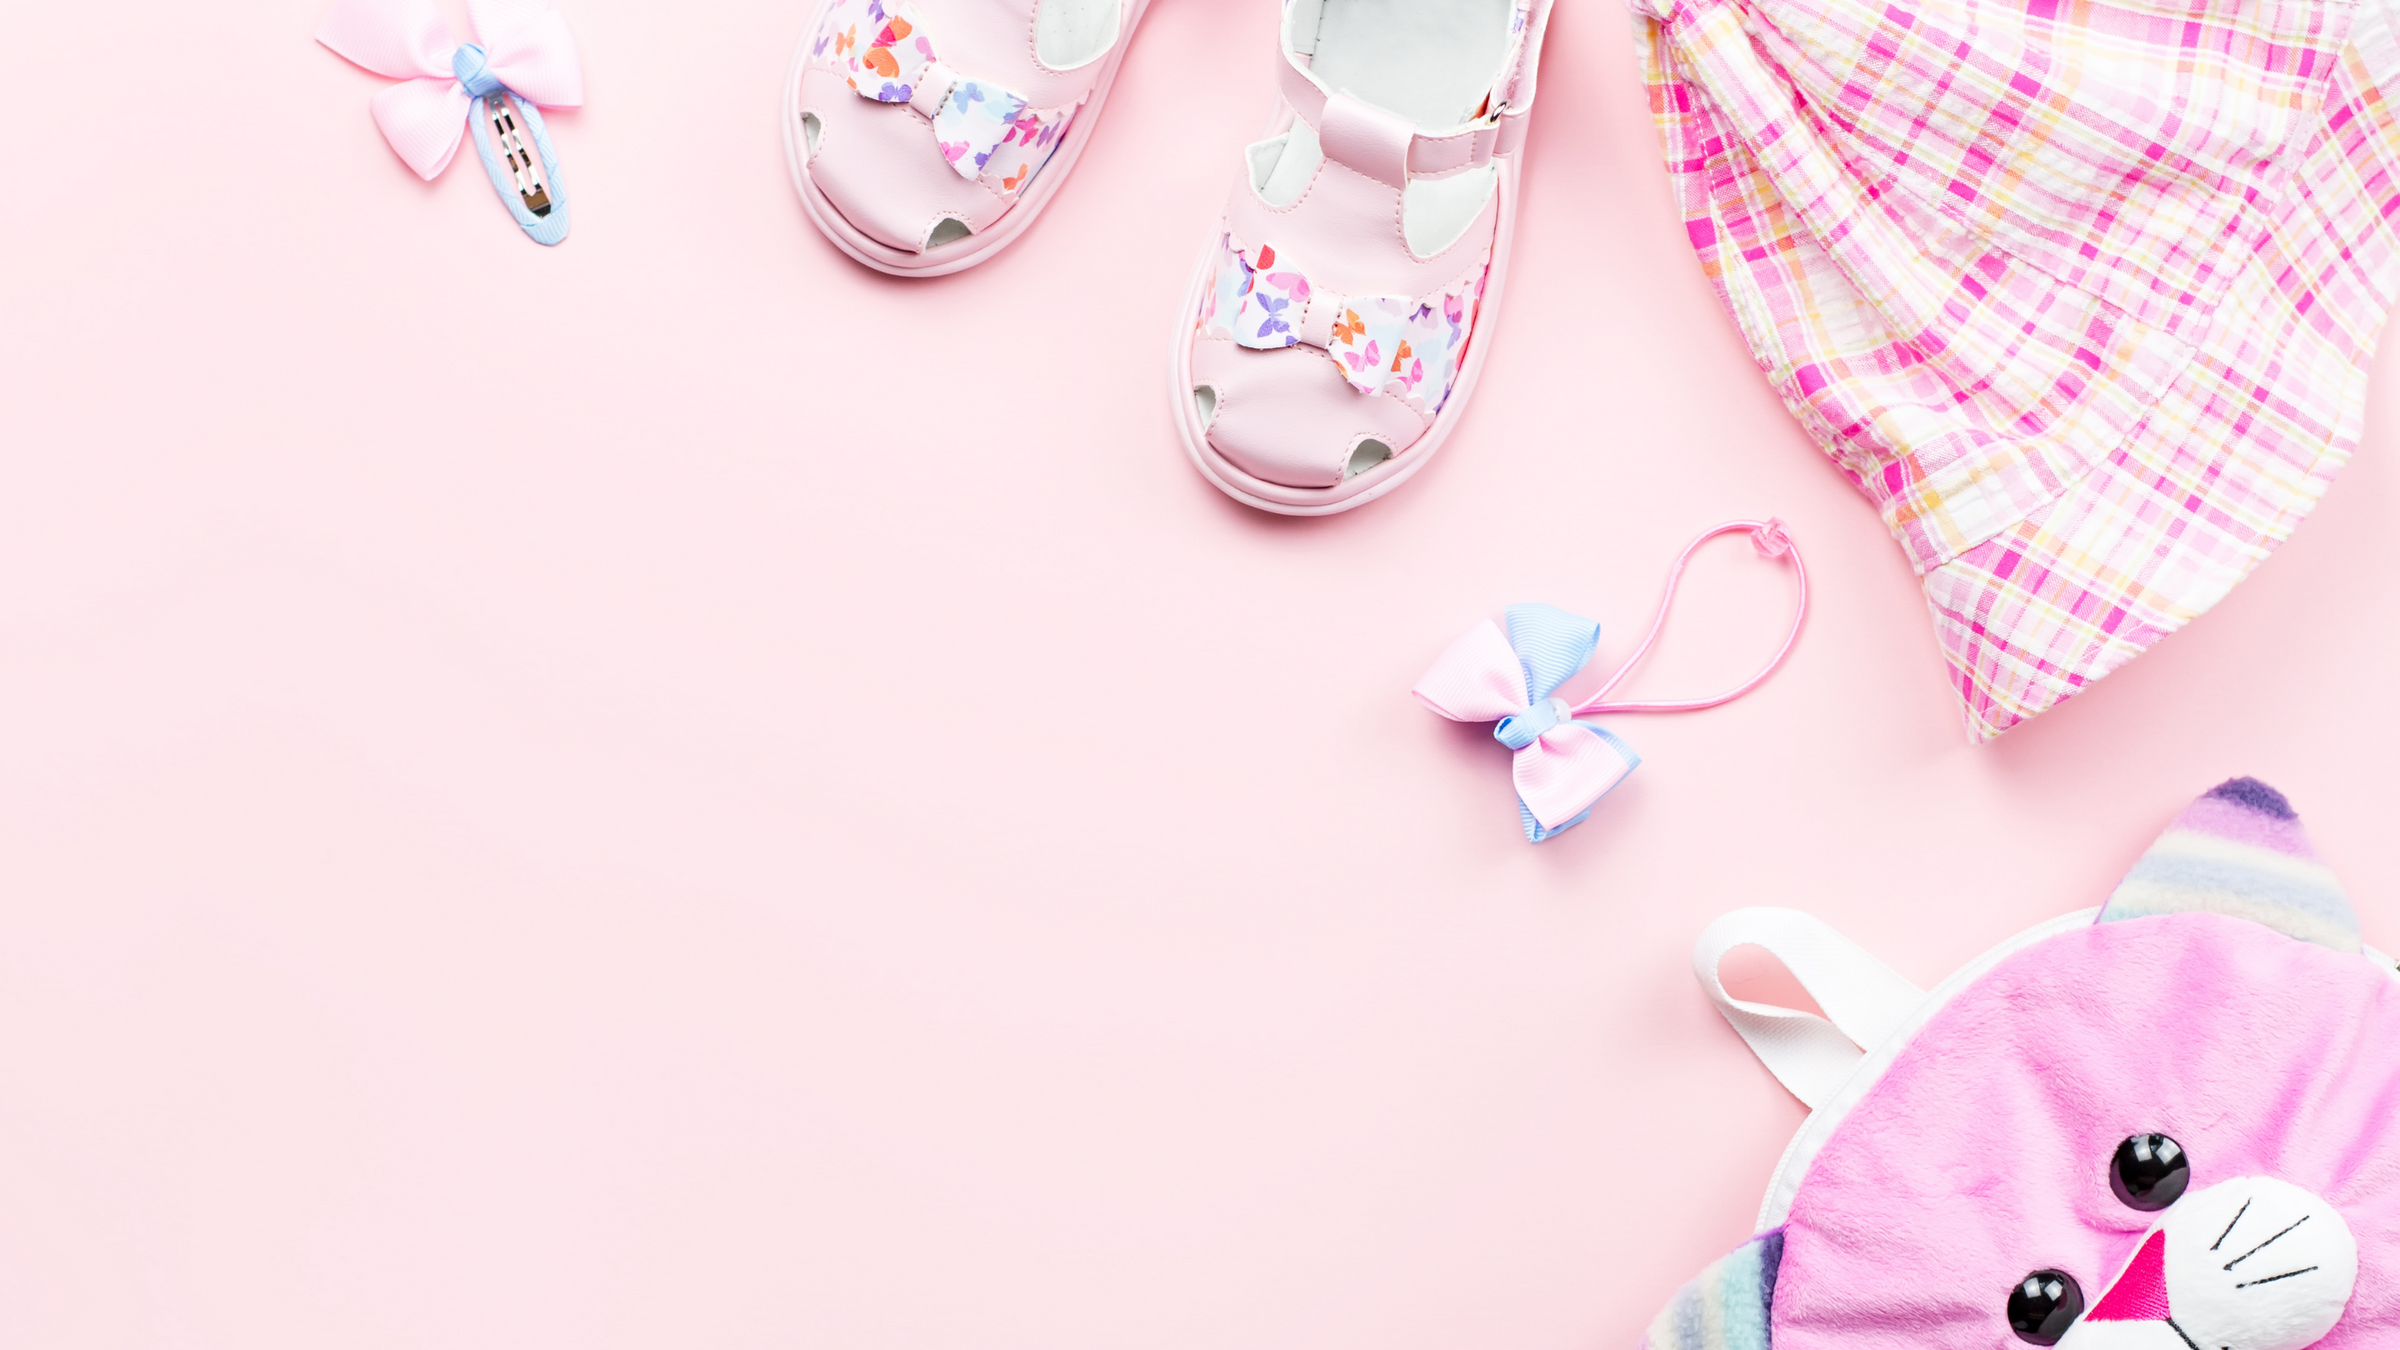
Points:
(1329, 339)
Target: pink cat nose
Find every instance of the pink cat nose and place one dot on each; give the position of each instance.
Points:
(2248, 1264)
(2140, 1294)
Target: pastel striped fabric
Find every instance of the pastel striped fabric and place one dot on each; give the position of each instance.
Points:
(1729, 1307)
(2240, 850)
(2081, 295)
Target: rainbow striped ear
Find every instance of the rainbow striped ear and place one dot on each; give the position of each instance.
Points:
(2240, 851)
(1730, 1307)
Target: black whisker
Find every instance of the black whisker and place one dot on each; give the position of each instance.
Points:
(2237, 1218)
(2262, 1246)
(2273, 1278)
(2187, 1337)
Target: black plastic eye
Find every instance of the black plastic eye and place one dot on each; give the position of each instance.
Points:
(2150, 1172)
(2043, 1305)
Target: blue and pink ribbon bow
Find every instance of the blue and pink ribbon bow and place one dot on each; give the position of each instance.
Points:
(1562, 765)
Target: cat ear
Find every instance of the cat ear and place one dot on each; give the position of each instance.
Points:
(2240, 850)
(1730, 1307)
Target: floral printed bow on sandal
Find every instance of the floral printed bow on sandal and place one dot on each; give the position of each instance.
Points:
(924, 136)
(1330, 336)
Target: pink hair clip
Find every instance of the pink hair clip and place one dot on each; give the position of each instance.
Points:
(491, 90)
(1563, 765)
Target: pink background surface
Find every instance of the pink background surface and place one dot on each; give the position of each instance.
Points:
(675, 792)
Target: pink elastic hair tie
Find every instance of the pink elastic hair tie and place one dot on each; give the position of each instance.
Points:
(1563, 766)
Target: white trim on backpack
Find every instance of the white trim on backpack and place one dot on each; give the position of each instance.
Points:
(1842, 978)
(1864, 998)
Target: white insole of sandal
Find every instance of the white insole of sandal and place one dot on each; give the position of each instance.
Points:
(1430, 61)
(1071, 33)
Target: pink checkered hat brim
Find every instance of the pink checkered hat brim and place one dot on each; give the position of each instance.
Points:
(2126, 454)
(2236, 452)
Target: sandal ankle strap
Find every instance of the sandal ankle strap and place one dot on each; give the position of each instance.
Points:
(1498, 129)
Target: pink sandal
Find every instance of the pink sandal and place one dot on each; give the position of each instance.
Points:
(926, 135)
(1335, 325)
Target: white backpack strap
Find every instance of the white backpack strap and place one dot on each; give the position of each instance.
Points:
(1866, 999)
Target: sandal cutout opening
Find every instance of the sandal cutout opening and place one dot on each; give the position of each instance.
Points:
(948, 230)
(1204, 402)
(1282, 167)
(1436, 212)
(812, 130)
(1366, 455)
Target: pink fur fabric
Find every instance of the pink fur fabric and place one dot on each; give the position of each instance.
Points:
(1984, 1151)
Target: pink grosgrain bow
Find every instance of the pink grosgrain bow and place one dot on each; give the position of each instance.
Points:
(1564, 766)
(522, 46)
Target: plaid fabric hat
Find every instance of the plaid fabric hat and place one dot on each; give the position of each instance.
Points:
(2082, 295)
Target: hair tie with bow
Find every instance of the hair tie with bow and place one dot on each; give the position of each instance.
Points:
(523, 56)
(1563, 766)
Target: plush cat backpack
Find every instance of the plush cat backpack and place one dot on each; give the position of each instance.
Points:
(2172, 1123)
